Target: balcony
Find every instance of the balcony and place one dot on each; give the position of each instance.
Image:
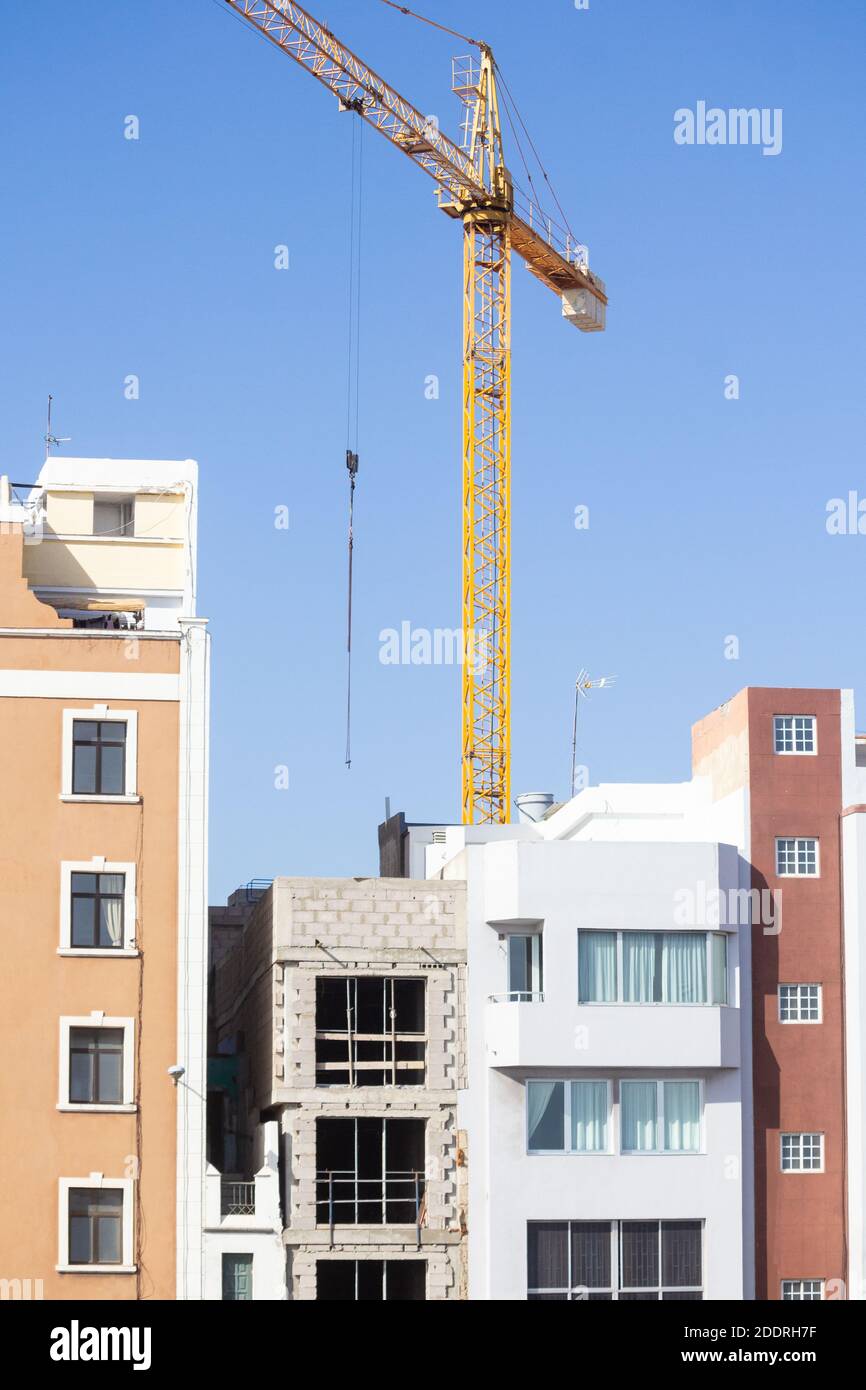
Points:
(525, 1035)
(239, 1203)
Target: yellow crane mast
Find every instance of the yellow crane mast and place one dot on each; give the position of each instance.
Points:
(475, 187)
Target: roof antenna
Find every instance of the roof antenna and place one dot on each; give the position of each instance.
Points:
(53, 438)
(582, 687)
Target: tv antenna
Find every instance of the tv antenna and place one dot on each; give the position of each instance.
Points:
(53, 438)
(583, 688)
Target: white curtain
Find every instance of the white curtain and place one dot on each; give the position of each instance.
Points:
(682, 1116)
(597, 967)
(589, 1116)
(720, 969)
(684, 968)
(546, 1114)
(112, 908)
(638, 1104)
(638, 966)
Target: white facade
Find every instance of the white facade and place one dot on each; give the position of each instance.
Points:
(617, 859)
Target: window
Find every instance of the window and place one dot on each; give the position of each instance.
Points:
(802, 1290)
(376, 1281)
(660, 1116)
(97, 908)
(98, 757)
(369, 1172)
(99, 753)
(797, 858)
(794, 733)
(568, 1116)
(800, 1004)
(96, 1225)
(370, 1031)
(96, 1066)
(637, 967)
(237, 1278)
(802, 1153)
(598, 1261)
(114, 516)
(525, 971)
(96, 1063)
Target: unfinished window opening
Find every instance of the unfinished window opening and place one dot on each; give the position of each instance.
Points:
(369, 1172)
(370, 1031)
(371, 1281)
(114, 516)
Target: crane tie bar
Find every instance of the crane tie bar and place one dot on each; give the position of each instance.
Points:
(404, 9)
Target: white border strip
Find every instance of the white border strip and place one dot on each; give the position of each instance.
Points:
(89, 685)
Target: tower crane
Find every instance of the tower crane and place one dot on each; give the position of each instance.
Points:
(474, 186)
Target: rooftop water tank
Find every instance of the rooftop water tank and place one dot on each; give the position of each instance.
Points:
(532, 806)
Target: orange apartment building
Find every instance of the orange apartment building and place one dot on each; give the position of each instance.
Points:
(103, 758)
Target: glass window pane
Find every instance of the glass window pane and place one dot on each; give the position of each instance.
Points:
(589, 1107)
(83, 731)
(79, 1240)
(111, 883)
(111, 922)
(682, 1102)
(597, 967)
(640, 967)
(110, 1239)
(84, 769)
(80, 1078)
(638, 1102)
(110, 1078)
(84, 883)
(684, 968)
(112, 779)
(548, 1254)
(640, 1255)
(82, 922)
(590, 1254)
(519, 965)
(720, 968)
(681, 1253)
(546, 1107)
(113, 731)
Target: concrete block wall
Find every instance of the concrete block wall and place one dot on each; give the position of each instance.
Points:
(303, 928)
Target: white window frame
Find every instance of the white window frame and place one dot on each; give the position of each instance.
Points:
(101, 714)
(621, 1002)
(567, 1151)
(798, 1298)
(536, 967)
(98, 1020)
(97, 865)
(660, 1083)
(801, 1134)
(809, 984)
(798, 840)
(795, 752)
(98, 1180)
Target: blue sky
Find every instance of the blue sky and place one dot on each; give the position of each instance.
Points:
(707, 516)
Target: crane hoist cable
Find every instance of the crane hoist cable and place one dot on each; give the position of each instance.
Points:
(353, 381)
